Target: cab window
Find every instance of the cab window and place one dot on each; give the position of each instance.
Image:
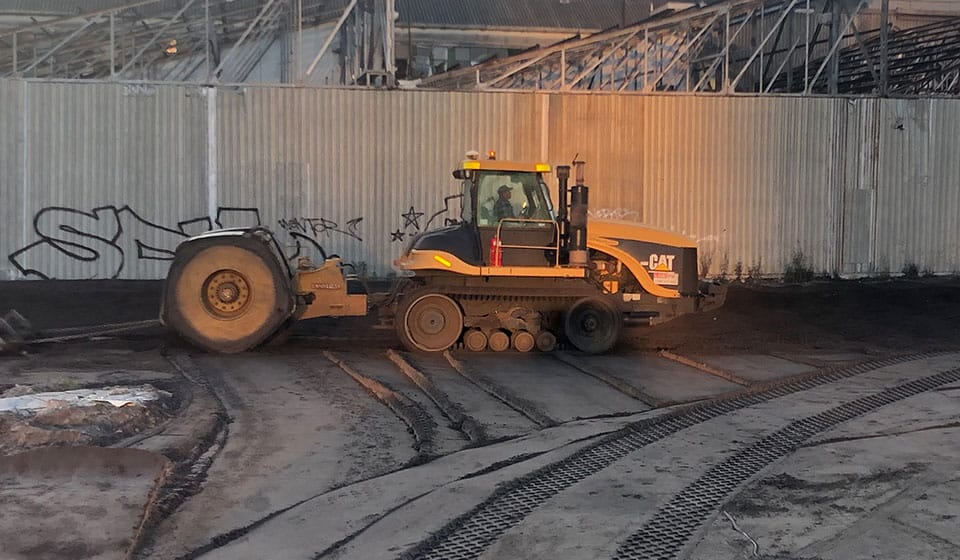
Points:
(502, 194)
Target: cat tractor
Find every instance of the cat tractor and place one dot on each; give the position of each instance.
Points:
(513, 272)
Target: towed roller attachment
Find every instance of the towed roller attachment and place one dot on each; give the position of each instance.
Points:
(227, 291)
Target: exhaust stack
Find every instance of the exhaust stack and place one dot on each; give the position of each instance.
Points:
(563, 194)
(577, 245)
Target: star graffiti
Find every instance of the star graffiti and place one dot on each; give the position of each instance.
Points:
(397, 236)
(412, 218)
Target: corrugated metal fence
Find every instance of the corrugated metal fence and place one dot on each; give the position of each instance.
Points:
(102, 180)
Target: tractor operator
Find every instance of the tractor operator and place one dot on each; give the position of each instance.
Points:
(503, 208)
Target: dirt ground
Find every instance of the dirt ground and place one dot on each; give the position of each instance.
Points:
(862, 318)
(866, 317)
(843, 315)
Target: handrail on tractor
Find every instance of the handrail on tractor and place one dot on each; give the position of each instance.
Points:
(555, 247)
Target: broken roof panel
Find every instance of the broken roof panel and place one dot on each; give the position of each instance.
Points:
(587, 15)
(549, 14)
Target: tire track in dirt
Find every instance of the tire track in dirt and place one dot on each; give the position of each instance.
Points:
(520, 404)
(468, 425)
(616, 383)
(421, 424)
(330, 433)
(472, 533)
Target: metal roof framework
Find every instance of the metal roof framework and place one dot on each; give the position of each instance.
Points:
(739, 46)
(220, 40)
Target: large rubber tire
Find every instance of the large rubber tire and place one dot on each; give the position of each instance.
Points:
(593, 325)
(226, 294)
(429, 322)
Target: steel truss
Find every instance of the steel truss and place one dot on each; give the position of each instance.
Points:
(738, 46)
(215, 40)
(920, 61)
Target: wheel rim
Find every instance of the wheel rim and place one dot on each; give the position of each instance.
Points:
(433, 323)
(226, 294)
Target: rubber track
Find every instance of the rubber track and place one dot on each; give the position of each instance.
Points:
(469, 535)
(673, 525)
(532, 300)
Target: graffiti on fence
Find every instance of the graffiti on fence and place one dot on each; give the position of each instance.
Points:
(111, 241)
(412, 217)
(614, 214)
(317, 227)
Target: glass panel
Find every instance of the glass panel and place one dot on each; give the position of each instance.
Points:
(503, 194)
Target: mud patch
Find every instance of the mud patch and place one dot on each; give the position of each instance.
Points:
(100, 424)
(774, 495)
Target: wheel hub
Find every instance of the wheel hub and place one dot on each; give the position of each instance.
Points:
(593, 325)
(432, 321)
(589, 323)
(226, 293)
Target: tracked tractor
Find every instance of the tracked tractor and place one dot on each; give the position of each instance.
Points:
(513, 272)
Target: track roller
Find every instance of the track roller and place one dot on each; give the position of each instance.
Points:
(546, 341)
(475, 340)
(522, 341)
(498, 341)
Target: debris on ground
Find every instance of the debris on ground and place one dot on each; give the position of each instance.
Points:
(14, 329)
(78, 417)
(116, 396)
(17, 391)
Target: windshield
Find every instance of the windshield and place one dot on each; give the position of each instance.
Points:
(505, 194)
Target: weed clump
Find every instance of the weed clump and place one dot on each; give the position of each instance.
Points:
(911, 270)
(798, 269)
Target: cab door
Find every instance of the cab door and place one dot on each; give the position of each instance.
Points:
(529, 236)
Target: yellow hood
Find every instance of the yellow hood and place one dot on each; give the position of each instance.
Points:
(621, 229)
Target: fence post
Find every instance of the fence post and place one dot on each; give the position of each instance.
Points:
(212, 194)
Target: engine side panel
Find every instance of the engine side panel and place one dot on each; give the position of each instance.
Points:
(459, 240)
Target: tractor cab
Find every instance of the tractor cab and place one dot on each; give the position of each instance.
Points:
(507, 216)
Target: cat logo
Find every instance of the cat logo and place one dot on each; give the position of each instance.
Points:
(661, 269)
